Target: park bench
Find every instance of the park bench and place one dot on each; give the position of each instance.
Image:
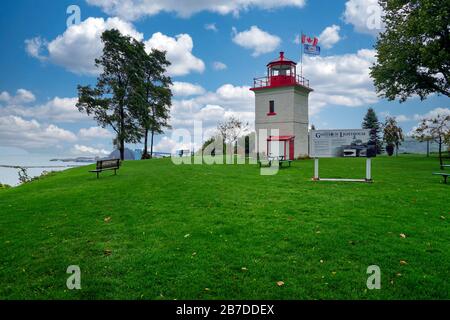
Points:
(444, 175)
(445, 166)
(104, 165)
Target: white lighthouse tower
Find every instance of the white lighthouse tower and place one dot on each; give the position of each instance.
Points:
(281, 102)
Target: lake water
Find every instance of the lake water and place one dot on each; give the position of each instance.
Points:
(10, 175)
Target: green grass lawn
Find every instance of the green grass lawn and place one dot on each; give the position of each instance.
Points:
(226, 232)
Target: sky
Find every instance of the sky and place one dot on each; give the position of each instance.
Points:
(216, 49)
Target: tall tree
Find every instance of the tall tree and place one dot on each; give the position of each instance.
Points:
(157, 97)
(434, 129)
(392, 135)
(371, 122)
(231, 129)
(414, 51)
(113, 100)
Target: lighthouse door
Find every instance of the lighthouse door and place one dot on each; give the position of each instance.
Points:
(291, 149)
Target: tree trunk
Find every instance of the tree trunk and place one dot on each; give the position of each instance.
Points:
(145, 153)
(122, 149)
(122, 129)
(440, 151)
(151, 144)
(428, 148)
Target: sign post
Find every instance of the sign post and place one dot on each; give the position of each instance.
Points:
(368, 170)
(316, 169)
(341, 143)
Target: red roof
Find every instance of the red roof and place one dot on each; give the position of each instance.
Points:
(281, 60)
(280, 138)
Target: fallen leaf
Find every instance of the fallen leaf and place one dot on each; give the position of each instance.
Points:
(187, 235)
(321, 261)
(244, 269)
(442, 217)
(280, 283)
(194, 253)
(107, 252)
(399, 274)
(403, 235)
(333, 273)
(207, 289)
(107, 219)
(403, 262)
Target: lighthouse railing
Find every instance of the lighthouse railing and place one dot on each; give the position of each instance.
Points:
(280, 80)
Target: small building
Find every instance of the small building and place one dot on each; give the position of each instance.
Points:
(281, 102)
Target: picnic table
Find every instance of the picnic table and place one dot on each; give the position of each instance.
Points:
(268, 162)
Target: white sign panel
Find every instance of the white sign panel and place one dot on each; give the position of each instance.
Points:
(339, 143)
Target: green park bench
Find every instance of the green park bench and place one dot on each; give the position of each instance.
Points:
(445, 166)
(444, 175)
(104, 165)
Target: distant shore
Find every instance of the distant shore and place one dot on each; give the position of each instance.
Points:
(37, 167)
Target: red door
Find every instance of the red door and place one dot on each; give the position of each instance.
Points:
(291, 149)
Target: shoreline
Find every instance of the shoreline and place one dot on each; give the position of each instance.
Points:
(39, 167)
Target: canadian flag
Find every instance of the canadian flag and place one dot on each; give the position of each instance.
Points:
(311, 41)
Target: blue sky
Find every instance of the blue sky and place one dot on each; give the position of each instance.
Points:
(42, 62)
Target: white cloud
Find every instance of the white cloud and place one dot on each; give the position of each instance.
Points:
(257, 40)
(56, 110)
(419, 117)
(211, 27)
(78, 47)
(94, 133)
(212, 107)
(135, 9)
(185, 89)
(88, 151)
(340, 80)
(218, 66)
(330, 36)
(35, 46)
(167, 144)
(364, 15)
(402, 118)
(433, 114)
(22, 96)
(31, 135)
(179, 53)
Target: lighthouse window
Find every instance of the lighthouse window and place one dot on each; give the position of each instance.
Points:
(271, 106)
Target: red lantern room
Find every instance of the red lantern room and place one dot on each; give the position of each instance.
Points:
(280, 72)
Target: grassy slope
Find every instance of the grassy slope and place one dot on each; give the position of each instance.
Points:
(277, 227)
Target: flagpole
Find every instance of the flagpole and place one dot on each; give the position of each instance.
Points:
(301, 56)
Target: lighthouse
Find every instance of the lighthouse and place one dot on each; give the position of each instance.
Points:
(281, 105)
